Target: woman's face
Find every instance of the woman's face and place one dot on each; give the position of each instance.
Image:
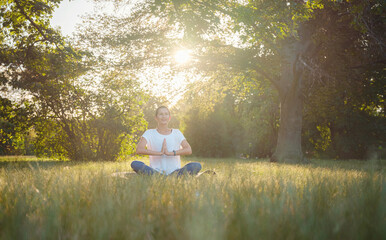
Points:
(163, 116)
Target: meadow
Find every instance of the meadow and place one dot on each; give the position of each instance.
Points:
(247, 199)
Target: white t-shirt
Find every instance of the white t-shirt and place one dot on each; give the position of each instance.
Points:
(164, 164)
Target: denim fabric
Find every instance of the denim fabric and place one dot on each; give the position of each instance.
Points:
(191, 168)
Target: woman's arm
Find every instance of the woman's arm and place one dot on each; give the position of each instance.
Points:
(186, 149)
(141, 148)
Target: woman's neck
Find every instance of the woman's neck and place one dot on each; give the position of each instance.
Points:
(163, 128)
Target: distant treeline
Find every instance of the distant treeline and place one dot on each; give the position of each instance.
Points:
(346, 123)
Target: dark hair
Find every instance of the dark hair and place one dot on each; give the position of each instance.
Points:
(157, 110)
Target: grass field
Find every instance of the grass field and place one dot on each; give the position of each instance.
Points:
(46, 199)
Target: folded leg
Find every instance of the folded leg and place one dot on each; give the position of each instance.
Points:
(191, 168)
(141, 168)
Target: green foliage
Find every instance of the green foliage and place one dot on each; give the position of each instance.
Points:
(334, 47)
(49, 139)
(259, 115)
(214, 134)
(67, 200)
(225, 119)
(345, 117)
(81, 113)
(91, 124)
(15, 122)
(342, 81)
(31, 52)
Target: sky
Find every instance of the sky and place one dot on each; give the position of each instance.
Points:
(69, 13)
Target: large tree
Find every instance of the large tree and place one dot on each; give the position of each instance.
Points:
(84, 110)
(279, 41)
(282, 41)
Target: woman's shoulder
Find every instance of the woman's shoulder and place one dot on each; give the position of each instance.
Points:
(149, 131)
(176, 130)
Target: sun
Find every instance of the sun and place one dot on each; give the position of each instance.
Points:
(182, 56)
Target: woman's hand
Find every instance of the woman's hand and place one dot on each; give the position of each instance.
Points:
(165, 149)
(163, 146)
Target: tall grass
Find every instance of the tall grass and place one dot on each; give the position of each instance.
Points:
(245, 200)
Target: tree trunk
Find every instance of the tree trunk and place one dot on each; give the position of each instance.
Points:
(289, 148)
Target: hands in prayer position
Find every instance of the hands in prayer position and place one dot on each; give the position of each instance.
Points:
(164, 149)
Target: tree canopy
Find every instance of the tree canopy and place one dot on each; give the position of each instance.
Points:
(291, 44)
(288, 79)
(81, 113)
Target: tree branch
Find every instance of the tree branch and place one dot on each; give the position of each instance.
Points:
(37, 27)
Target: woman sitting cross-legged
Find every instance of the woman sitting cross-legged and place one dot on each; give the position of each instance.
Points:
(164, 147)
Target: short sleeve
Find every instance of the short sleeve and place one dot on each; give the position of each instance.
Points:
(181, 136)
(146, 135)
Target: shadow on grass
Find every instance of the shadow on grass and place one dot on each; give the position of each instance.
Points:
(224, 160)
(35, 164)
(333, 164)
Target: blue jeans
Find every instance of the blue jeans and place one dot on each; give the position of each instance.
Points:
(191, 168)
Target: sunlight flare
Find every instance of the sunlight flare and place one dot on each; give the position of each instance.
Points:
(182, 56)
